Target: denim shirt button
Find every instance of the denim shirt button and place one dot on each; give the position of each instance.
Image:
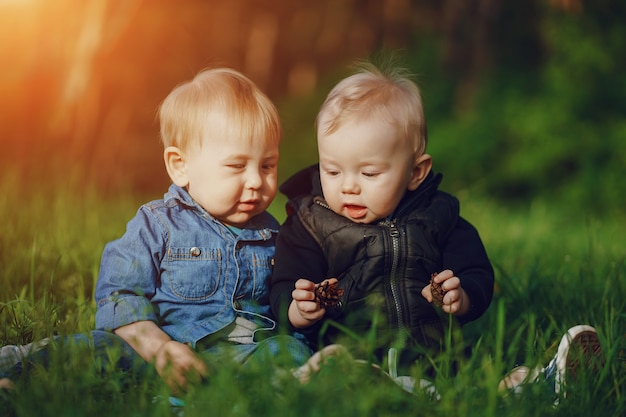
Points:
(195, 252)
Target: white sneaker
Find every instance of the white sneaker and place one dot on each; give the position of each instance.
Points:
(579, 348)
(11, 355)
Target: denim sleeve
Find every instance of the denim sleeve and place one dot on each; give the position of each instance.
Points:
(129, 273)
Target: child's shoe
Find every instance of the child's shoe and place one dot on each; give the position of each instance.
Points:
(579, 348)
(13, 355)
(12, 358)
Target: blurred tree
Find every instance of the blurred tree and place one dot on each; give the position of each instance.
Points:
(82, 80)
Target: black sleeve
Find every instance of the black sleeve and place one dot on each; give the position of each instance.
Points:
(465, 254)
(297, 256)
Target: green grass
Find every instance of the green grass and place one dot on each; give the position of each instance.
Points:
(536, 164)
(555, 268)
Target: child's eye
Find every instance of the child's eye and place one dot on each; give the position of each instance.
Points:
(371, 174)
(269, 167)
(236, 166)
(332, 173)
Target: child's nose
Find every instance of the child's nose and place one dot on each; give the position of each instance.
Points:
(350, 185)
(254, 178)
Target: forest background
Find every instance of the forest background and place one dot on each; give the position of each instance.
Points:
(523, 99)
(526, 110)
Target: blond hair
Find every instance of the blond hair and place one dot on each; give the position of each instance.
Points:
(374, 92)
(219, 103)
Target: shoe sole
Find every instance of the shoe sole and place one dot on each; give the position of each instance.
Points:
(578, 351)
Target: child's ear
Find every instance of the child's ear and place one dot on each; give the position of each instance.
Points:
(176, 166)
(421, 168)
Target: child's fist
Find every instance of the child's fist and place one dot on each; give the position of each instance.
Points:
(445, 291)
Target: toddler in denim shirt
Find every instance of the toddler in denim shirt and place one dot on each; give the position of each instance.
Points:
(191, 274)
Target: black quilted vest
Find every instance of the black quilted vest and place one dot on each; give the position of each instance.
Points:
(383, 267)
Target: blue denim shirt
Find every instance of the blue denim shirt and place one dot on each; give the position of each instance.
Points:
(181, 268)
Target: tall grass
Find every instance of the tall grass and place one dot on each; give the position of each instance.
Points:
(50, 248)
(554, 270)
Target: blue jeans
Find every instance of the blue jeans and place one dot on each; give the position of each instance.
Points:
(112, 351)
(107, 347)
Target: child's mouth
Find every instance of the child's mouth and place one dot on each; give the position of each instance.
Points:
(355, 212)
(247, 205)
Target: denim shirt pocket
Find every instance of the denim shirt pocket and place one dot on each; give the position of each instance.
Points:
(193, 273)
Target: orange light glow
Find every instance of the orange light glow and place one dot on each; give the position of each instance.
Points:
(80, 81)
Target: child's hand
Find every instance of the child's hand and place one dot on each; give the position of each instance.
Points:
(304, 310)
(178, 365)
(455, 300)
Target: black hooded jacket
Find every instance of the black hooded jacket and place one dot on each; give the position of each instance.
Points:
(382, 267)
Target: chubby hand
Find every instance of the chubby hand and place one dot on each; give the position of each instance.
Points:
(179, 365)
(304, 309)
(455, 300)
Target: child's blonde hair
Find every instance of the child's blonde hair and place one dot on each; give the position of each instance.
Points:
(219, 103)
(375, 92)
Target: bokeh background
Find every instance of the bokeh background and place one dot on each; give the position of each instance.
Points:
(525, 99)
(526, 109)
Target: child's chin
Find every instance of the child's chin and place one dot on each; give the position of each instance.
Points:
(241, 218)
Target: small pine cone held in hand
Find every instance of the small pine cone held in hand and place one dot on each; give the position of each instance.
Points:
(436, 291)
(328, 294)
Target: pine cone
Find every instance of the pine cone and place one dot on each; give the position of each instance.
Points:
(327, 294)
(436, 291)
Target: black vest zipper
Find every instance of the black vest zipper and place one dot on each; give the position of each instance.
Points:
(393, 276)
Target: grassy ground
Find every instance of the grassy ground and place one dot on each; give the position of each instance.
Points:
(555, 268)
